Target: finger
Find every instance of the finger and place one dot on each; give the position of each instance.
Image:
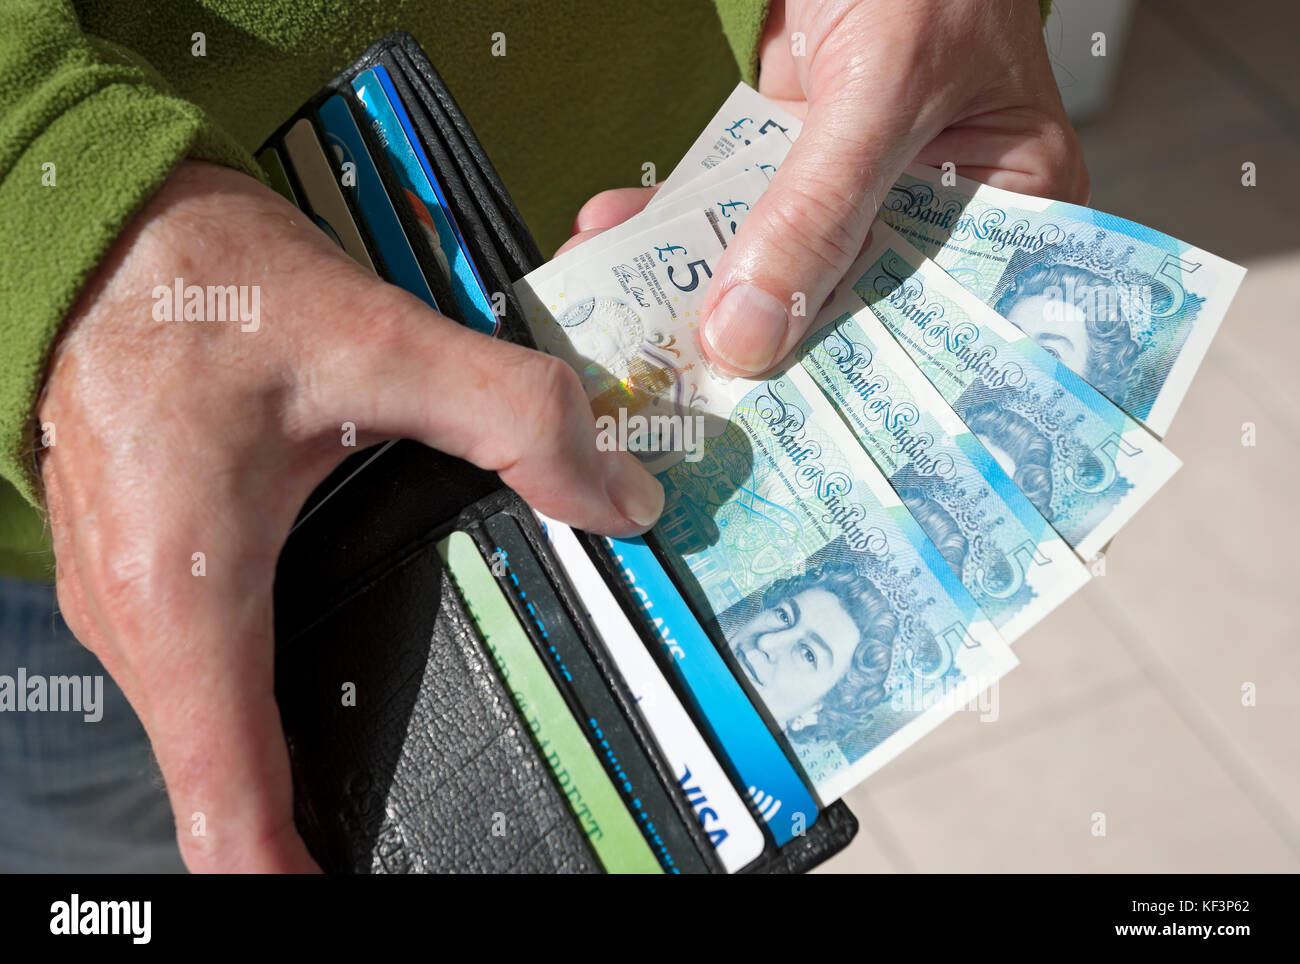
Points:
(217, 733)
(501, 406)
(1040, 157)
(611, 208)
(803, 233)
(607, 210)
(578, 239)
(200, 644)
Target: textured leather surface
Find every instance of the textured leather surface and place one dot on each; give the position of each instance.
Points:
(835, 827)
(509, 235)
(434, 756)
(432, 769)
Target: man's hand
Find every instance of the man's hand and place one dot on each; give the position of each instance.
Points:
(879, 84)
(177, 438)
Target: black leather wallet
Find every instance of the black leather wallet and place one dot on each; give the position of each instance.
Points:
(434, 755)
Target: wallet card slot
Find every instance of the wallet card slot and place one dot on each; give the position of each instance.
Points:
(834, 830)
(415, 236)
(331, 183)
(529, 255)
(823, 836)
(507, 502)
(370, 510)
(608, 569)
(507, 229)
(477, 238)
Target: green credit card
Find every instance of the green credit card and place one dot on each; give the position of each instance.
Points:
(610, 829)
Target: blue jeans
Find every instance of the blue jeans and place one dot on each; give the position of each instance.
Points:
(75, 796)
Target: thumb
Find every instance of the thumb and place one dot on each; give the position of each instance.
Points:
(216, 730)
(501, 406)
(803, 234)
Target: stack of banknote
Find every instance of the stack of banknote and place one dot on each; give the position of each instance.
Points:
(977, 411)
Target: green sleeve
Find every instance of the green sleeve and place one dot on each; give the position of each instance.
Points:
(87, 132)
(743, 21)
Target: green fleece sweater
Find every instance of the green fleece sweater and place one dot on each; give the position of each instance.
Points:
(101, 99)
(112, 95)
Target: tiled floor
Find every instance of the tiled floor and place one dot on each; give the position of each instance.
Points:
(1128, 704)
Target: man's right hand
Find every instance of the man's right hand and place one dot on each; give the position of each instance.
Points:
(177, 438)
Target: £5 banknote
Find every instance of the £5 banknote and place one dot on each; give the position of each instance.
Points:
(1130, 310)
(1083, 462)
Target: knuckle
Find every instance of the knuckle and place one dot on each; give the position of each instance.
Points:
(256, 846)
(193, 848)
(540, 415)
(556, 393)
(1065, 175)
(371, 345)
(72, 607)
(542, 373)
(810, 220)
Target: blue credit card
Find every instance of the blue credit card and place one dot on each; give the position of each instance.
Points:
(428, 202)
(343, 138)
(740, 735)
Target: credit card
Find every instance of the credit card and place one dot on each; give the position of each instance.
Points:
(722, 813)
(739, 733)
(575, 674)
(393, 126)
(610, 829)
(325, 202)
(274, 167)
(344, 139)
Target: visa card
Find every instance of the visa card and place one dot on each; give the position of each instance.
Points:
(722, 813)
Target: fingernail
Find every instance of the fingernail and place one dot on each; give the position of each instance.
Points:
(747, 329)
(635, 492)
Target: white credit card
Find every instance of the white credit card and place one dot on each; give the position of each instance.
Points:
(724, 816)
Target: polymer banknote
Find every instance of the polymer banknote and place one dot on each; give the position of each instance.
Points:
(1083, 462)
(1010, 559)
